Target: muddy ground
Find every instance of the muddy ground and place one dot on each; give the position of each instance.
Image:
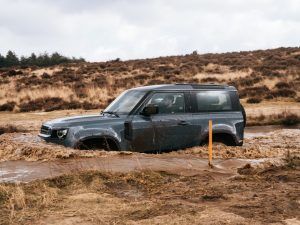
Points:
(270, 144)
(257, 183)
(253, 196)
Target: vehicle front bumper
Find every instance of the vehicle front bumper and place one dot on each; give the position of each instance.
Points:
(67, 141)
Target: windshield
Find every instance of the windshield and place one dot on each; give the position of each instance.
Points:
(125, 102)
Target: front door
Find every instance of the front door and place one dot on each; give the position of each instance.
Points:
(172, 126)
(141, 133)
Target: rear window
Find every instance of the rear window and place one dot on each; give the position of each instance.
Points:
(213, 101)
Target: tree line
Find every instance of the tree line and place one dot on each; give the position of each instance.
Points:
(45, 59)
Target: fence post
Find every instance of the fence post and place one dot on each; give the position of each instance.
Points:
(210, 143)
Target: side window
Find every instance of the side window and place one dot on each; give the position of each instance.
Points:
(213, 101)
(168, 103)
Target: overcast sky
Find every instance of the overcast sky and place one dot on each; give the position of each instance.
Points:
(107, 29)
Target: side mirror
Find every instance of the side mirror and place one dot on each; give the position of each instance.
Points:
(150, 110)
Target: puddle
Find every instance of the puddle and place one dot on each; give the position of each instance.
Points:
(263, 131)
(13, 175)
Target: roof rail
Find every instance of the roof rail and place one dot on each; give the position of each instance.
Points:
(208, 85)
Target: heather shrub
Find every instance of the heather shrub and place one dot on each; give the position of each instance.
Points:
(284, 92)
(45, 103)
(11, 129)
(254, 91)
(290, 119)
(254, 100)
(45, 76)
(100, 81)
(12, 73)
(250, 80)
(9, 106)
(209, 80)
(282, 84)
(269, 96)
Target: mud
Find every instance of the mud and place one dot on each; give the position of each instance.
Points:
(23, 171)
(252, 184)
(264, 131)
(268, 196)
(262, 146)
(28, 146)
(267, 142)
(273, 144)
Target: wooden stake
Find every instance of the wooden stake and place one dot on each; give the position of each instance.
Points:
(210, 143)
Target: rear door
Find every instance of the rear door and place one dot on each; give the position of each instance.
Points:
(218, 106)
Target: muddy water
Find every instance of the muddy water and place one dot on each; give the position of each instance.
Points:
(25, 171)
(261, 131)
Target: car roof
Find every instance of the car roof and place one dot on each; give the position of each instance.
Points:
(184, 86)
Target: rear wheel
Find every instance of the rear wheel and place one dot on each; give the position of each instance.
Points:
(223, 138)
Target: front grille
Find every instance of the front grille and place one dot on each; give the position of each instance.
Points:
(45, 130)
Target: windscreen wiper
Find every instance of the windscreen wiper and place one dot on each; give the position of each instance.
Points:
(111, 113)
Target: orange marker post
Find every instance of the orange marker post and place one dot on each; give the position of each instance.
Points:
(210, 143)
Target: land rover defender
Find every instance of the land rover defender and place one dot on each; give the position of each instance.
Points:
(155, 118)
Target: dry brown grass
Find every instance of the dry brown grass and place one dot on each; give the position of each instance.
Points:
(9, 128)
(285, 118)
(98, 83)
(22, 203)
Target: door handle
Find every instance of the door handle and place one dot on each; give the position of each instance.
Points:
(183, 123)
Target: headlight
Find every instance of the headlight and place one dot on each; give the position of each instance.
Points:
(62, 133)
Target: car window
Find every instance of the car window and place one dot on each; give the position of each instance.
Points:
(168, 103)
(213, 101)
(125, 102)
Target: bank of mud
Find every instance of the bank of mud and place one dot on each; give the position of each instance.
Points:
(268, 195)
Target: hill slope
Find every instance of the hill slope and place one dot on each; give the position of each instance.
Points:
(259, 76)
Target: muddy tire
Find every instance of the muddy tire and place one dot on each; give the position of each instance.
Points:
(106, 144)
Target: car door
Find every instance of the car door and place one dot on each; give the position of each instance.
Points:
(216, 106)
(139, 131)
(173, 127)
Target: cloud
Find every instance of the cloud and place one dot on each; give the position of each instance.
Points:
(128, 29)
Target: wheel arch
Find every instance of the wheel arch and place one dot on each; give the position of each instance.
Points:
(109, 139)
(223, 136)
